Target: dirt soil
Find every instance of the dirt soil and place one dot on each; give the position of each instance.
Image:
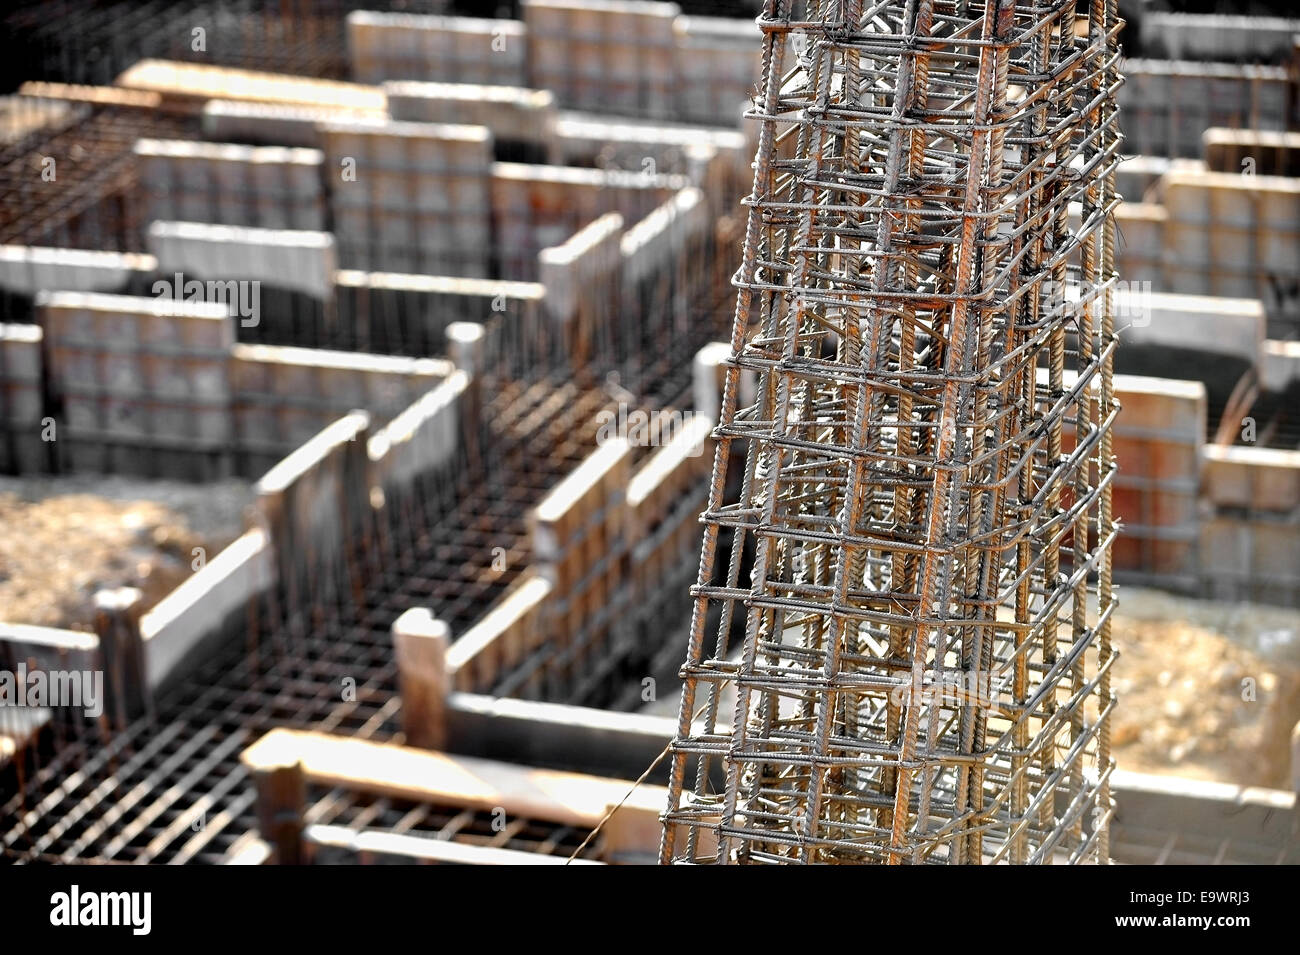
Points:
(1206, 690)
(62, 539)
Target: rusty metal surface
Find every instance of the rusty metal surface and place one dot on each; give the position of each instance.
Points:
(926, 470)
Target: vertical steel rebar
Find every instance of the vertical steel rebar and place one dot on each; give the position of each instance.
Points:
(920, 659)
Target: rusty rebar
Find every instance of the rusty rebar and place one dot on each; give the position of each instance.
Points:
(919, 666)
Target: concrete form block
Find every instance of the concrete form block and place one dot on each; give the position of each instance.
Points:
(1280, 365)
(1222, 37)
(1164, 407)
(380, 847)
(1141, 242)
(22, 401)
(145, 382)
(512, 114)
(613, 56)
(394, 46)
(1158, 438)
(424, 776)
(284, 395)
(718, 63)
(583, 286)
(303, 261)
(421, 440)
(708, 378)
(633, 831)
(663, 239)
(1225, 553)
(1261, 152)
(1163, 818)
(410, 314)
(503, 638)
(424, 189)
(270, 187)
(277, 124)
(28, 270)
(1230, 234)
(1229, 326)
(1165, 104)
(190, 85)
(49, 648)
(583, 513)
(281, 786)
(540, 206)
(314, 503)
(465, 347)
(1261, 479)
(117, 624)
(204, 607)
(583, 139)
(679, 468)
(1275, 550)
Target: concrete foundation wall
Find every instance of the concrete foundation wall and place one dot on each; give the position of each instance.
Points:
(1158, 439)
(1231, 235)
(515, 116)
(1166, 104)
(410, 197)
(277, 124)
(535, 207)
(281, 397)
(390, 313)
(1219, 326)
(1216, 234)
(48, 648)
(718, 62)
(583, 282)
(315, 506)
(420, 440)
(271, 187)
(188, 86)
(27, 270)
(158, 387)
(511, 631)
(1250, 539)
(395, 46)
(1226, 38)
(211, 604)
(140, 382)
(606, 56)
(293, 259)
(22, 402)
(1254, 152)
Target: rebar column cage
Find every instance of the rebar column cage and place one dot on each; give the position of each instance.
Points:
(918, 668)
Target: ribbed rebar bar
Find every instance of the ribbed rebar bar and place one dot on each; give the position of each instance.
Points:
(918, 666)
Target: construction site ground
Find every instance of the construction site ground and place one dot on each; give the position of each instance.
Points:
(1185, 696)
(67, 537)
(1183, 676)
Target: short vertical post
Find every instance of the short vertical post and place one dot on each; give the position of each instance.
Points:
(420, 644)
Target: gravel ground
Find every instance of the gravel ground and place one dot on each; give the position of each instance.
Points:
(1187, 672)
(61, 539)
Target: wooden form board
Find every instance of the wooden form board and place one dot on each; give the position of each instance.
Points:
(399, 772)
